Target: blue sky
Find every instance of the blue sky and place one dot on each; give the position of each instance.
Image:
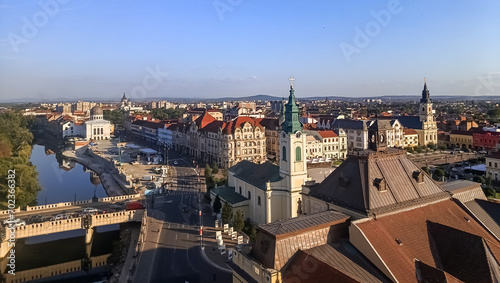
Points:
(205, 48)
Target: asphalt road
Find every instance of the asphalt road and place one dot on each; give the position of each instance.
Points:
(177, 257)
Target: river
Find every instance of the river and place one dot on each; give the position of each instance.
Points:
(63, 180)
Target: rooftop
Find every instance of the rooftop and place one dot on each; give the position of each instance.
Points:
(229, 194)
(256, 174)
(304, 222)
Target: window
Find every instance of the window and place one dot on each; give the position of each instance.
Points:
(284, 153)
(240, 190)
(298, 154)
(258, 200)
(249, 195)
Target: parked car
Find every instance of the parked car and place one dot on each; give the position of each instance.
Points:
(16, 222)
(90, 210)
(175, 162)
(60, 217)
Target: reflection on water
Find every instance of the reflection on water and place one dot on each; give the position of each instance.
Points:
(63, 180)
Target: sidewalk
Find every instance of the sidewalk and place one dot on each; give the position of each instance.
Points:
(147, 254)
(211, 252)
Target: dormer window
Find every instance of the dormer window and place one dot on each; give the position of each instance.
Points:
(380, 184)
(418, 176)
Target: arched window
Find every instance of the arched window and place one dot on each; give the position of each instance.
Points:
(298, 154)
(258, 200)
(284, 153)
(249, 195)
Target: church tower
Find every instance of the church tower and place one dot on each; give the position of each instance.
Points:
(425, 111)
(429, 127)
(292, 152)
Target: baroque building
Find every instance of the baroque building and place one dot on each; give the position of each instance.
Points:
(267, 192)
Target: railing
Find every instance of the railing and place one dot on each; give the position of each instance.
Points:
(66, 204)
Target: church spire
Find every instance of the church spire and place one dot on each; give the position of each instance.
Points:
(291, 123)
(124, 97)
(425, 93)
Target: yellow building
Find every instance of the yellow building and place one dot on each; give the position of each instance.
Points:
(461, 139)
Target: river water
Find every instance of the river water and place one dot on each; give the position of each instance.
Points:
(63, 180)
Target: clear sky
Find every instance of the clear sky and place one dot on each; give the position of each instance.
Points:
(204, 48)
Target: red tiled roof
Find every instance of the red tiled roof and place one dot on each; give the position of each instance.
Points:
(204, 120)
(327, 134)
(409, 131)
(238, 122)
(414, 229)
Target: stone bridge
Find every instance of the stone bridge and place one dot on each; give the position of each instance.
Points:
(87, 222)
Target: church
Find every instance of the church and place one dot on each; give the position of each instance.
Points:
(97, 128)
(424, 124)
(267, 192)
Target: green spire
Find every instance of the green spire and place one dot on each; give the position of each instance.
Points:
(291, 124)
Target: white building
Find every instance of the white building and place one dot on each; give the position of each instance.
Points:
(97, 128)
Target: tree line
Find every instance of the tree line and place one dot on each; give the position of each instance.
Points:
(15, 150)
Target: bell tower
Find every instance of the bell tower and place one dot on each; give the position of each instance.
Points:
(425, 110)
(293, 167)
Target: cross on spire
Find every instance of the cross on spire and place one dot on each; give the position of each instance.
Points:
(291, 79)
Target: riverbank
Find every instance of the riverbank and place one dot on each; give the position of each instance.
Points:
(108, 174)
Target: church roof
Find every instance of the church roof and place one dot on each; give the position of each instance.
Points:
(369, 182)
(488, 213)
(412, 122)
(229, 194)
(292, 122)
(256, 174)
(96, 110)
(425, 94)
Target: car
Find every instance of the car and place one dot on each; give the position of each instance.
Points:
(185, 209)
(15, 222)
(60, 217)
(90, 210)
(116, 207)
(36, 218)
(175, 162)
(454, 169)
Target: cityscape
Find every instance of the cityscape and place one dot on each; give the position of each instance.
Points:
(230, 141)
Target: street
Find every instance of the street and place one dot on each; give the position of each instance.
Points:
(177, 256)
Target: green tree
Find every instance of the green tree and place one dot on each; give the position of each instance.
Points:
(215, 169)
(208, 171)
(239, 220)
(488, 180)
(426, 170)
(438, 174)
(227, 212)
(478, 179)
(489, 191)
(441, 147)
(432, 146)
(217, 204)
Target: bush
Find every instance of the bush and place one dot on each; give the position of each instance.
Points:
(441, 147)
(489, 191)
(478, 179)
(215, 169)
(239, 221)
(438, 174)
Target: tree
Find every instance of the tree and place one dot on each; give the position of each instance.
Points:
(478, 179)
(432, 146)
(488, 180)
(215, 169)
(442, 147)
(227, 213)
(239, 220)
(438, 174)
(208, 171)
(426, 170)
(489, 191)
(217, 204)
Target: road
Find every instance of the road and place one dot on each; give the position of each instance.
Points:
(177, 257)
